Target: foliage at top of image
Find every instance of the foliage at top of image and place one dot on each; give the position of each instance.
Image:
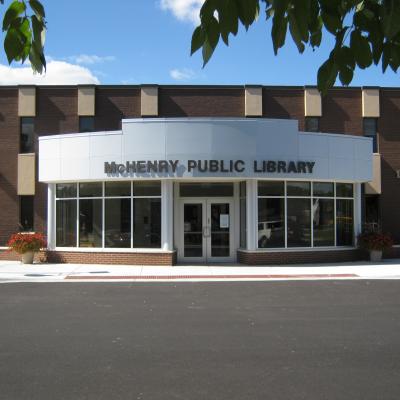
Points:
(24, 26)
(365, 32)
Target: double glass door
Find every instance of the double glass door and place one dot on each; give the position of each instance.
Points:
(207, 230)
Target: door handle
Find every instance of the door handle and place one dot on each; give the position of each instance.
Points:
(206, 231)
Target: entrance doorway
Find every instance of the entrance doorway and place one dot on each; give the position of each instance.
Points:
(206, 227)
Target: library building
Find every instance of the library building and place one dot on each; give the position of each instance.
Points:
(160, 175)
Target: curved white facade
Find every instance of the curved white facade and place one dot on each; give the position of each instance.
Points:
(239, 148)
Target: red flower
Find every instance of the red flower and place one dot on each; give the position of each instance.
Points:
(24, 242)
(375, 241)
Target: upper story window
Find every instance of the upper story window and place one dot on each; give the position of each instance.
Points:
(370, 127)
(26, 204)
(86, 124)
(312, 124)
(27, 135)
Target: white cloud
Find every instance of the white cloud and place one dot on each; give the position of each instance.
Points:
(90, 59)
(58, 73)
(183, 74)
(184, 10)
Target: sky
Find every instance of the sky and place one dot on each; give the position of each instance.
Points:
(148, 41)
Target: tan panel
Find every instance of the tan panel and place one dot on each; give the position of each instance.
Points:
(27, 101)
(149, 101)
(312, 103)
(370, 103)
(253, 101)
(86, 100)
(26, 174)
(374, 187)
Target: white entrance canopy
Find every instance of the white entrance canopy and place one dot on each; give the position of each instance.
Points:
(205, 148)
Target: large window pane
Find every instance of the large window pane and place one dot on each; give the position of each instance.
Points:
(147, 188)
(298, 188)
(117, 189)
(146, 223)
(66, 223)
(323, 220)
(271, 188)
(323, 189)
(90, 223)
(344, 222)
(64, 190)
(344, 190)
(26, 213)
(298, 222)
(92, 189)
(271, 223)
(117, 223)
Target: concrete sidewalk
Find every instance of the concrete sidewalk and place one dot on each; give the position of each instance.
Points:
(13, 271)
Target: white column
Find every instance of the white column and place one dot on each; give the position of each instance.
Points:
(51, 212)
(357, 211)
(251, 213)
(167, 213)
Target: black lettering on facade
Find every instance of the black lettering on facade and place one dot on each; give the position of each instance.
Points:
(110, 168)
(310, 166)
(255, 166)
(174, 164)
(301, 167)
(292, 167)
(213, 165)
(271, 166)
(163, 166)
(202, 165)
(281, 166)
(239, 165)
(192, 164)
(152, 166)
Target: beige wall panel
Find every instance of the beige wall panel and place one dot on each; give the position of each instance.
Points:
(27, 101)
(312, 103)
(253, 101)
(86, 100)
(149, 101)
(26, 174)
(370, 103)
(374, 187)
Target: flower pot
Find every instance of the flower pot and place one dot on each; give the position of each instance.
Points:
(27, 258)
(375, 255)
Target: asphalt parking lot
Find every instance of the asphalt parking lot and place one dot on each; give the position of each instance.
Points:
(260, 340)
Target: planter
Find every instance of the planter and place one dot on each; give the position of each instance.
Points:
(375, 255)
(27, 258)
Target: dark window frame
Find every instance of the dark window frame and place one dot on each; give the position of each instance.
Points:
(26, 146)
(27, 205)
(312, 124)
(368, 123)
(84, 119)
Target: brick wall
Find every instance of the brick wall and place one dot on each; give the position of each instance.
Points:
(287, 103)
(389, 147)
(299, 257)
(9, 149)
(201, 102)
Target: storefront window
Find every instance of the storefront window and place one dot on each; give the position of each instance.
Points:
(271, 222)
(324, 222)
(298, 222)
(117, 228)
(146, 223)
(302, 214)
(119, 218)
(344, 222)
(90, 223)
(66, 223)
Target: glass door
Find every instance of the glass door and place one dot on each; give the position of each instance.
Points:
(219, 231)
(207, 230)
(193, 230)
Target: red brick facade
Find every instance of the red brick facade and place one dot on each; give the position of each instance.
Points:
(56, 113)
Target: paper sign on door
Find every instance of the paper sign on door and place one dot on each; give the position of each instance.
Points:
(224, 220)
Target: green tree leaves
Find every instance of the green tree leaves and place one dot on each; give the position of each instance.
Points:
(365, 31)
(25, 34)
